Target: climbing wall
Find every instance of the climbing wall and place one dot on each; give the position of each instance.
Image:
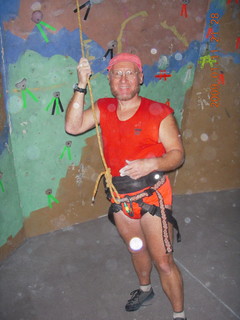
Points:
(55, 173)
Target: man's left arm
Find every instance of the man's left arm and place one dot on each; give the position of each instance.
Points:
(170, 137)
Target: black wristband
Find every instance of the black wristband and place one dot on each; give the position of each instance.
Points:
(76, 88)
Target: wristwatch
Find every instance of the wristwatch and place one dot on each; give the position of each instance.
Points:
(76, 88)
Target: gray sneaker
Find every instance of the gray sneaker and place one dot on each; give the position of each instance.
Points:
(137, 299)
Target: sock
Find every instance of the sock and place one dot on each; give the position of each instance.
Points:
(179, 315)
(146, 288)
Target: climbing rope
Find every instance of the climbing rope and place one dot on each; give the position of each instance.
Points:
(107, 172)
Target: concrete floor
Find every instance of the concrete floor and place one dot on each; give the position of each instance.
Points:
(84, 272)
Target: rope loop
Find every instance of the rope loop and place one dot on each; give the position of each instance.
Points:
(109, 185)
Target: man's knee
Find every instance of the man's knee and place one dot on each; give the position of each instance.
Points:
(164, 265)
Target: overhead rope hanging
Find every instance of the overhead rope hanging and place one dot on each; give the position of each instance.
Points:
(107, 172)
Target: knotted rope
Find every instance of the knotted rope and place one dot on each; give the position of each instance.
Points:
(107, 172)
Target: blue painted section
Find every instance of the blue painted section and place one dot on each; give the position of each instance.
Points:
(218, 7)
(60, 44)
(9, 9)
(4, 138)
(191, 55)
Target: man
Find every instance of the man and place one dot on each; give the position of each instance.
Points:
(140, 141)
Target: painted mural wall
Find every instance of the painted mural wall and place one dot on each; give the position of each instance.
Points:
(212, 106)
(47, 176)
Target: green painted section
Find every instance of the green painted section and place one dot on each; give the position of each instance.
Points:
(11, 220)
(38, 138)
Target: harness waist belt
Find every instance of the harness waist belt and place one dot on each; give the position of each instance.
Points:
(127, 185)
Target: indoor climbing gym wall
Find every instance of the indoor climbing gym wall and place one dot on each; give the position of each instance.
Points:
(190, 54)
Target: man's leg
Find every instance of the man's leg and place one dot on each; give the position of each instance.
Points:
(169, 273)
(128, 229)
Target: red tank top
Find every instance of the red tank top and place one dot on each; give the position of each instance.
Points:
(132, 139)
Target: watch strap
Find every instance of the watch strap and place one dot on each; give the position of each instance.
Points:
(76, 88)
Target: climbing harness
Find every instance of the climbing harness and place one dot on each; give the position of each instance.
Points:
(107, 172)
(126, 201)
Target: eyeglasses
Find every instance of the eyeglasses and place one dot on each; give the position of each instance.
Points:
(128, 74)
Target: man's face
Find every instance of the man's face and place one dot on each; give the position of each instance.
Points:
(125, 79)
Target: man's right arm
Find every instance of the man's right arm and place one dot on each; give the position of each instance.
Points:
(77, 119)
